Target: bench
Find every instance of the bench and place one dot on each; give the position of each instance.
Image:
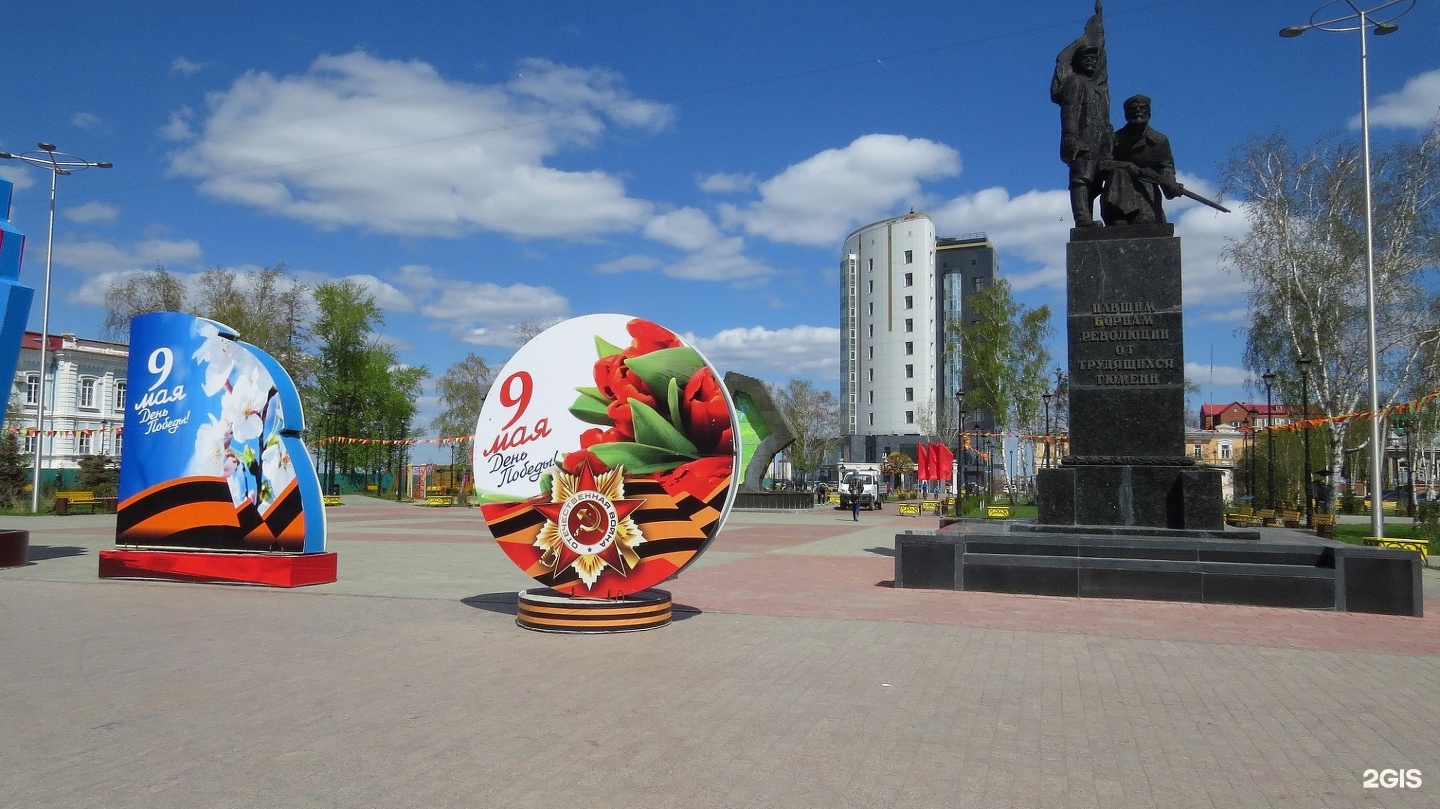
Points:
(78, 499)
(1325, 526)
(1266, 516)
(1291, 517)
(1243, 517)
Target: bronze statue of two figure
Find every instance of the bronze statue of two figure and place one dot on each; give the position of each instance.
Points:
(1132, 169)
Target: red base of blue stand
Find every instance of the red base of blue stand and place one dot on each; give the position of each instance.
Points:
(277, 570)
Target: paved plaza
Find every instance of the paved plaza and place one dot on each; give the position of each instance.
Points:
(793, 676)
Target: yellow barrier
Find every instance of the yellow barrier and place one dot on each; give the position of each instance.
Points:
(909, 510)
(331, 499)
(998, 512)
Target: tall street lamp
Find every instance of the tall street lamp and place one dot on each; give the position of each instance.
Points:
(959, 453)
(1046, 397)
(57, 163)
(1382, 18)
(1304, 363)
(1269, 437)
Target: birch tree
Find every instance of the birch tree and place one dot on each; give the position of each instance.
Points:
(1304, 258)
(1005, 362)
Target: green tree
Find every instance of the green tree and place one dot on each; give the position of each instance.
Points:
(99, 474)
(266, 308)
(462, 391)
(1004, 360)
(155, 291)
(814, 417)
(14, 472)
(1304, 258)
(357, 388)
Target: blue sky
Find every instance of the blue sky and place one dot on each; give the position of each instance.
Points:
(698, 163)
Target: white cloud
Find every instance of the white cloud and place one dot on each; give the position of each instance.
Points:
(687, 229)
(1207, 278)
(106, 257)
(1202, 374)
(1416, 105)
(386, 296)
(775, 355)
(18, 177)
(726, 183)
(87, 121)
(487, 314)
(178, 126)
(724, 260)
(817, 201)
(1034, 227)
(92, 212)
(628, 264)
(1238, 315)
(394, 147)
(186, 67)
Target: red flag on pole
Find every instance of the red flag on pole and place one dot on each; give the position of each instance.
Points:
(922, 462)
(945, 462)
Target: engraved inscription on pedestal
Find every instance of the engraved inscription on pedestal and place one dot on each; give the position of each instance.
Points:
(1126, 350)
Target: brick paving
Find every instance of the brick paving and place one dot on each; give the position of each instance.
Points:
(794, 676)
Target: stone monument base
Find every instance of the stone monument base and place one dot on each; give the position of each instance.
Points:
(1266, 568)
(1151, 496)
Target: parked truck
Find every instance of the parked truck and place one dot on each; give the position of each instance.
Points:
(862, 482)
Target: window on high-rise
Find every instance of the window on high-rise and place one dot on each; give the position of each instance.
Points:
(871, 351)
(871, 419)
(909, 324)
(977, 284)
(909, 301)
(870, 287)
(870, 309)
(909, 372)
(909, 394)
(909, 279)
(909, 416)
(872, 397)
(871, 330)
(871, 375)
(909, 256)
(909, 348)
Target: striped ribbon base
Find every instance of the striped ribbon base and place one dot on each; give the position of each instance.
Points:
(545, 610)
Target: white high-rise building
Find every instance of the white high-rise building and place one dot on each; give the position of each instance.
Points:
(898, 369)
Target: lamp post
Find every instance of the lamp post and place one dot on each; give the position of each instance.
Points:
(959, 453)
(1269, 438)
(1046, 397)
(57, 163)
(979, 470)
(1250, 456)
(1304, 363)
(1359, 19)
